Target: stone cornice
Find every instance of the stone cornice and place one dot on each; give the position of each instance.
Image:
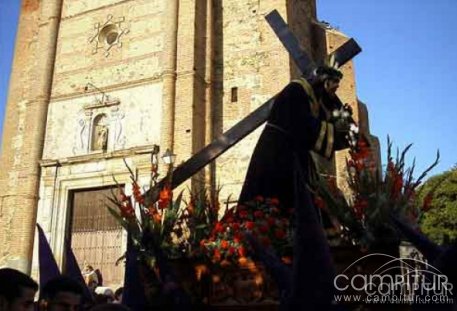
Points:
(95, 9)
(98, 155)
(111, 88)
(100, 104)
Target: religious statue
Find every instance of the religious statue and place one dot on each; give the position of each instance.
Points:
(303, 118)
(102, 137)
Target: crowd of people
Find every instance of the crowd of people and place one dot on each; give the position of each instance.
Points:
(18, 292)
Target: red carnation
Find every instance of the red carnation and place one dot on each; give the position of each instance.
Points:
(217, 255)
(274, 201)
(250, 225)
(237, 237)
(242, 251)
(219, 228)
(258, 214)
(244, 214)
(231, 251)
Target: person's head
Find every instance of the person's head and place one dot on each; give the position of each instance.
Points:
(17, 290)
(88, 268)
(328, 78)
(62, 293)
(105, 292)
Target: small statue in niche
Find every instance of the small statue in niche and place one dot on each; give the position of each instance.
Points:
(102, 138)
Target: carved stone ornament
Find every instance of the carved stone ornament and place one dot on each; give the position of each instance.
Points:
(108, 35)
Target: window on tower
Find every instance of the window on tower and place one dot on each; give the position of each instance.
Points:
(234, 95)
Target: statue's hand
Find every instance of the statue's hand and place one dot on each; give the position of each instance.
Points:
(342, 125)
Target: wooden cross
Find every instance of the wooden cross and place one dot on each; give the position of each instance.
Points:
(259, 116)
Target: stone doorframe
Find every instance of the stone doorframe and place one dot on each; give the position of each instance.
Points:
(61, 211)
(59, 178)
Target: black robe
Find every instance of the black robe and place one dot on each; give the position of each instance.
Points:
(297, 124)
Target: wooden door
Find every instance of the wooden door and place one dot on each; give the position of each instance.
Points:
(96, 237)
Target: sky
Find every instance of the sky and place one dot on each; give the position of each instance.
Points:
(406, 73)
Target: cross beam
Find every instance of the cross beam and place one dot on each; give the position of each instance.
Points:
(256, 118)
(342, 55)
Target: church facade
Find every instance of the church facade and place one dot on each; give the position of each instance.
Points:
(95, 82)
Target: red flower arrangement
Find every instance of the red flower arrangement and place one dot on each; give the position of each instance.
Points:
(262, 218)
(363, 216)
(177, 226)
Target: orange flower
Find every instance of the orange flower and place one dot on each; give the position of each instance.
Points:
(224, 244)
(165, 196)
(123, 197)
(127, 210)
(216, 255)
(242, 261)
(427, 202)
(157, 218)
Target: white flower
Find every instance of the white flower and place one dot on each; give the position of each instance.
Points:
(336, 113)
(354, 128)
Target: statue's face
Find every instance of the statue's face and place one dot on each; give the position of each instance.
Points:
(331, 86)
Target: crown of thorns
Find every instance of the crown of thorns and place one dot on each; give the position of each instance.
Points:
(329, 70)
